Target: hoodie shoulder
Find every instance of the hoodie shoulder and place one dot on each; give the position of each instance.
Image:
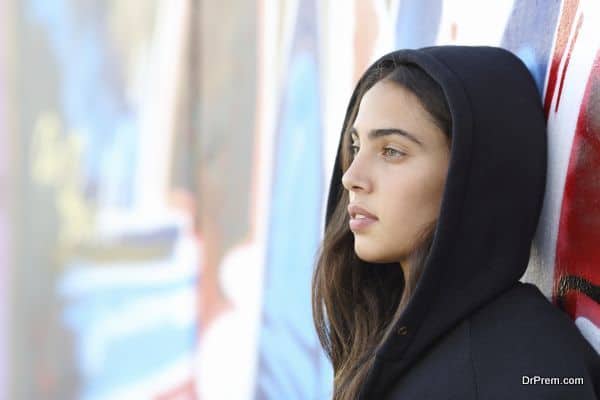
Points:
(521, 335)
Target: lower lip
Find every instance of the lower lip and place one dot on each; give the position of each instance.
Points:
(357, 224)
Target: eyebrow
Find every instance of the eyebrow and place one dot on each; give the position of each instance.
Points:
(377, 133)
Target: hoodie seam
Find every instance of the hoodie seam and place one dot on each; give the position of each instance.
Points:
(469, 163)
(471, 360)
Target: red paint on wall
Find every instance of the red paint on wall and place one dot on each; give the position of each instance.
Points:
(578, 304)
(577, 269)
(562, 36)
(564, 71)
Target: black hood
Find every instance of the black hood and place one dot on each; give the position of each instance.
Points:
(493, 193)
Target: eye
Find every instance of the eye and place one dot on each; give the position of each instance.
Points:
(393, 152)
(353, 149)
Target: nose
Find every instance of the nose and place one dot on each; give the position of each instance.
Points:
(355, 178)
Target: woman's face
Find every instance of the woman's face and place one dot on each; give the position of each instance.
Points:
(395, 178)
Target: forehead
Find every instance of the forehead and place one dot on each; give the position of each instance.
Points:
(390, 105)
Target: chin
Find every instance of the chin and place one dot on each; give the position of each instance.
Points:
(374, 256)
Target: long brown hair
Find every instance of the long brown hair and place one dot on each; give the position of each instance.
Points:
(355, 304)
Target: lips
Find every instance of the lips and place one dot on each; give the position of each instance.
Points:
(357, 211)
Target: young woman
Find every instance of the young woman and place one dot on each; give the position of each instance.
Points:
(433, 203)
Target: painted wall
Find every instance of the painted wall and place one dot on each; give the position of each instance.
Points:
(559, 44)
(172, 169)
(105, 281)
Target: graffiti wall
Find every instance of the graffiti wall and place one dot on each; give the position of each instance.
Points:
(571, 216)
(107, 267)
(170, 171)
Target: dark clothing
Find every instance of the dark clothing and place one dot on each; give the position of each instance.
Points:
(472, 330)
(489, 355)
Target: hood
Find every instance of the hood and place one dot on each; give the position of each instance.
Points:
(492, 197)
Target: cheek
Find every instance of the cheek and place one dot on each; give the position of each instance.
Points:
(412, 200)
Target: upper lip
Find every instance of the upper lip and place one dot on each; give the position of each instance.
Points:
(354, 209)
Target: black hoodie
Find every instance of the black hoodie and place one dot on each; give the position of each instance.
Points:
(472, 330)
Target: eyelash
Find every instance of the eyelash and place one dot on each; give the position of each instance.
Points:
(353, 147)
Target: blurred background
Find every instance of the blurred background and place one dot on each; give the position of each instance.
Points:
(164, 169)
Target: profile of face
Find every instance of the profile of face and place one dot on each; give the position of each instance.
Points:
(398, 171)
